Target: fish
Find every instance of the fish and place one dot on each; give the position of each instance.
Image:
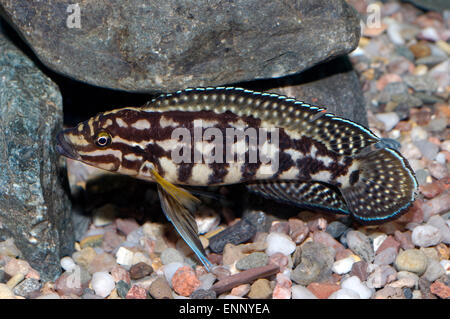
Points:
(279, 147)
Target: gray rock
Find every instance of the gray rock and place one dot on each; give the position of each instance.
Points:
(336, 229)
(428, 149)
(26, 287)
(203, 294)
(34, 209)
(236, 234)
(381, 276)
(165, 46)
(256, 259)
(171, 255)
(315, 264)
(434, 270)
(421, 83)
(361, 245)
(122, 288)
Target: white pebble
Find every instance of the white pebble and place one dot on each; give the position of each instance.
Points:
(170, 270)
(343, 266)
(353, 283)
(446, 265)
(344, 294)
(124, 257)
(377, 241)
(389, 119)
(67, 263)
(440, 158)
(426, 236)
(102, 283)
(394, 34)
(300, 292)
(430, 34)
(440, 223)
(279, 243)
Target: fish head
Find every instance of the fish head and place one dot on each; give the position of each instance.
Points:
(102, 142)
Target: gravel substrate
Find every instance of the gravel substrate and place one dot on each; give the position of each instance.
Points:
(404, 68)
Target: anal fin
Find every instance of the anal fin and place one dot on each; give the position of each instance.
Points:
(315, 195)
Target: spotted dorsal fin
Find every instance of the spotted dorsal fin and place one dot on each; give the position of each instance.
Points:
(340, 135)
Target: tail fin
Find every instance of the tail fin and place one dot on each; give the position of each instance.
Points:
(381, 188)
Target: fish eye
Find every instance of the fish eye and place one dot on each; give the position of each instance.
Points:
(103, 139)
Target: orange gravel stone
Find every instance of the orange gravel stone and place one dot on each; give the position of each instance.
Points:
(323, 290)
(184, 282)
(440, 289)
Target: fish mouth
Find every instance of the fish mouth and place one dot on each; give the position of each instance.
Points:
(64, 148)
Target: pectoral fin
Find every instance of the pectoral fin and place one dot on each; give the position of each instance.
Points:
(179, 205)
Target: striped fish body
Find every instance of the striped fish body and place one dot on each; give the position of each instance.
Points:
(281, 148)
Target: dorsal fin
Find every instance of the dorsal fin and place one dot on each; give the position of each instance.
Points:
(338, 134)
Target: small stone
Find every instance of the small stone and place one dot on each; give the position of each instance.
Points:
(15, 280)
(27, 287)
(343, 266)
(421, 83)
(404, 238)
(434, 270)
(67, 263)
(405, 279)
(8, 248)
(280, 260)
(381, 276)
(102, 283)
(359, 269)
(315, 265)
(49, 296)
(387, 78)
(122, 288)
(203, 294)
(17, 266)
(126, 226)
(389, 293)
(420, 50)
(353, 283)
(389, 119)
(206, 281)
(231, 254)
(360, 244)
(328, 240)
(69, 283)
(185, 281)
(171, 255)
(336, 229)
(260, 289)
(344, 293)
(323, 290)
(6, 292)
(389, 242)
(298, 230)
(160, 289)
(92, 240)
(278, 242)
(136, 292)
(140, 270)
(412, 260)
(386, 256)
(438, 222)
(280, 292)
(104, 215)
(124, 257)
(111, 240)
(240, 290)
(437, 170)
(300, 292)
(238, 233)
(170, 270)
(120, 274)
(279, 227)
(436, 205)
(440, 289)
(256, 259)
(102, 262)
(84, 257)
(426, 236)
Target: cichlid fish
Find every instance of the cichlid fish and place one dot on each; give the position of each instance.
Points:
(281, 148)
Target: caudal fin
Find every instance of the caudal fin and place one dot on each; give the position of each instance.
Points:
(381, 188)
